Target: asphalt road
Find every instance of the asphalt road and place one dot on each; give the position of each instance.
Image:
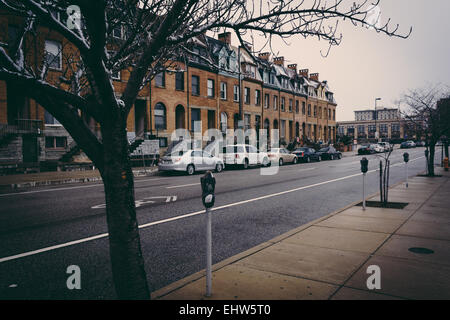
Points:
(45, 230)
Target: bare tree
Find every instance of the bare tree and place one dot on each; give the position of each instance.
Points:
(155, 32)
(424, 119)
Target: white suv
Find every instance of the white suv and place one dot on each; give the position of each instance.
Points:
(244, 155)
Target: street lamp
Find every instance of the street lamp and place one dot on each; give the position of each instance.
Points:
(376, 116)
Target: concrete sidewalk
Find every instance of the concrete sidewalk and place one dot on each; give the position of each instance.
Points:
(17, 181)
(328, 258)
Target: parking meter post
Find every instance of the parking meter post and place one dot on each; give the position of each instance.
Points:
(364, 191)
(208, 253)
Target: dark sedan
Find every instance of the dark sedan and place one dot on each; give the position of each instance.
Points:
(305, 154)
(366, 149)
(329, 153)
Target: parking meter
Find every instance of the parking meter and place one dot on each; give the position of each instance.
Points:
(364, 165)
(208, 183)
(406, 157)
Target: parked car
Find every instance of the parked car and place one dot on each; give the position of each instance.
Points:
(244, 155)
(281, 156)
(378, 148)
(329, 153)
(407, 144)
(190, 161)
(386, 146)
(420, 143)
(366, 149)
(305, 154)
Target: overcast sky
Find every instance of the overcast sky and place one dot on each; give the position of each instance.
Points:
(368, 65)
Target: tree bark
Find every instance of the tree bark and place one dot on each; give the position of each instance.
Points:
(127, 262)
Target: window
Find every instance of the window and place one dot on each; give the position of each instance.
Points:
(223, 90)
(383, 128)
(290, 105)
(210, 85)
(297, 106)
(272, 78)
(160, 79)
(195, 85)
(55, 142)
(283, 129)
(162, 142)
(223, 122)
(160, 116)
(309, 110)
(247, 119)
(275, 102)
(303, 108)
(315, 111)
(320, 112)
(236, 93)
(195, 117)
(257, 97)
(334, 114)
(179, 81)
(49, 119)
(247, 95)
(266, 100)
(395, 127)
(283, 102)
(53, 56)
(329, 114)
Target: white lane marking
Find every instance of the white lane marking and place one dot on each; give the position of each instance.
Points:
(103, 235)
(69, 188)
(183, 185)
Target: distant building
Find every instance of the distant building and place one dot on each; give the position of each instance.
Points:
(386, 121)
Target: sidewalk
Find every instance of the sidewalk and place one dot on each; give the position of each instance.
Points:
(328, 258)
(17, 181)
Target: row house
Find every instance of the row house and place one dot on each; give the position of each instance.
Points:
(225, 87)
(216, 84)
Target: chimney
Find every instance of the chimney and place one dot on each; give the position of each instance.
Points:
(279, 61)
(314, 76)
(293, 67)
(304, 73)
(264, 55)
(225, 37)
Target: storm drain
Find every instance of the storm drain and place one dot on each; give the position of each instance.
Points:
(421, 250)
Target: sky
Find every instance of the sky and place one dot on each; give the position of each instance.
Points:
(368, 65)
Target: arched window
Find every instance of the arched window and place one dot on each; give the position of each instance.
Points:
(223, 122)
(160, 116)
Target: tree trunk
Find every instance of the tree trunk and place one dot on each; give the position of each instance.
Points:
(125, 248)
(431, 160)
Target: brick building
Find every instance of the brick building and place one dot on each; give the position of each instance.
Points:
(220, 85)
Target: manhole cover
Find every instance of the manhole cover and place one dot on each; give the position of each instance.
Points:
(421, 250)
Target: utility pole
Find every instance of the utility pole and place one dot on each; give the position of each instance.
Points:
(376, 118)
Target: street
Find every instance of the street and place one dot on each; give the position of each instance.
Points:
(45, 230)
